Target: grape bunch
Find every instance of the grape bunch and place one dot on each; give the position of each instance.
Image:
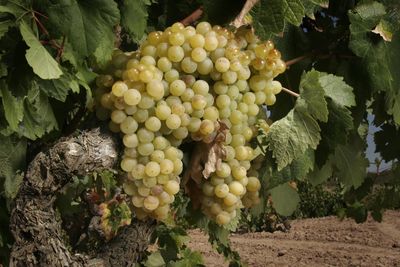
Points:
(181, 85)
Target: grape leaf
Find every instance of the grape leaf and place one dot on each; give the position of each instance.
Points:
(38, 115)
(284, 199)
(4, 25)
(320, 175)
(134, 17)
(154, 260)
(293, 11)
(269, 16)
(87, 25)
(13, 106)
(58, 88)
(351, 165)
(12, 158)
(42, 63)
(292, 136)
(336, 89)
(313, 95)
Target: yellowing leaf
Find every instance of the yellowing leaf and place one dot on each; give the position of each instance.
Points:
(382, 30)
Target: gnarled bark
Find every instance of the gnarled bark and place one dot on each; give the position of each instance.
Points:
(39, 237)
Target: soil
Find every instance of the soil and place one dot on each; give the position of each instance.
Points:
(315, 242)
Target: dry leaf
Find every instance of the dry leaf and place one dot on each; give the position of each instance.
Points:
(205, 159)
(383, 32)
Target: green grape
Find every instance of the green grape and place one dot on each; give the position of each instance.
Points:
(173, 122)
(177, 87)
(151, 202)
(198, 54)
(132, 97)
(127, 164)
(144, 135)
(223, 170)
(163, 111)
(197, 40)
(199, 102)
(205, 67)
(188, 65)
(221, 190)
(253, 184)
(223, 218)
(223, 101)
(145, 149)
(166, 166)
(175, 53)
(176, 38)
(119, 88)
(171, 187)
(238, 172)
(129, 125)
(130, 140)
(155, 89)
(152, 169)
(153, 124)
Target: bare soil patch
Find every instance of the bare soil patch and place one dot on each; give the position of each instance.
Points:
(315, 242)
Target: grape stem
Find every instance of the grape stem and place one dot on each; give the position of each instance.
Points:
(193, 17)
(290, 92)
(297, 59)
(239, 20)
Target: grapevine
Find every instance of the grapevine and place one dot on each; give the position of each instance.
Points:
(190, 84)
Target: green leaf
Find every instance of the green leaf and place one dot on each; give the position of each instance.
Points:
(88, 26)
(154, 260)
(59, 88)
(285, 199)
(340, 122)
(292, 136)
(320, 175)
(269, 16)
(42, 63)
(134, 17)
(294, 11)
(13, 106)
(4, 26)
(38, 115)
(336, 89)
(313, 95)
(12, 159)
(351, 165)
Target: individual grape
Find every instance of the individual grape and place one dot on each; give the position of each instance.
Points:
(197, 40)
(223, 218)
(203, 27)
(211, 113)
(130, 140)
(238, 172)
(144, 135)
(155, 89)
(132, 97)
(171, 187)
(270, 99)
(163, 111)
(118, 116)
(200, 87)
(205, 67)
(177, 87)
(253, 184)
(222, 64)
(229, 77)
(152, 169)
(127, 164)
(145, 149)
(119, 88)
(173, 122)
(153, 124)
(188, 65)
(207, 127)
(210, 43)
(236, 188)
(129, 125)
(199, 102)
(230, 199)
(198, 54)
(176, 38)
(223, 170)
(151, 202)
(221, 190)
(175, 53)
(223, 101)
(141, 115)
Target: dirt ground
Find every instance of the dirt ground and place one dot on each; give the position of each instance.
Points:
(315, 242)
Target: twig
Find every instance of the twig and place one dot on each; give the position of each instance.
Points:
(239, 20)
(290, 92)
(193, 17)
(297, 59)
(60, 50)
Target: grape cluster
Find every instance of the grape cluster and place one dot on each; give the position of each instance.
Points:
(181, 85)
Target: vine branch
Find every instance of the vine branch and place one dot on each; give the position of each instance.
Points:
(239, 20)
(193, 17)
(290, 92)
